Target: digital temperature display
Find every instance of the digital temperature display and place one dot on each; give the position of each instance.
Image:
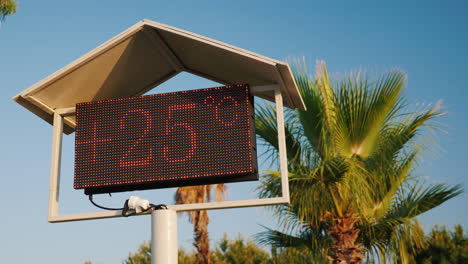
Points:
(166, 140)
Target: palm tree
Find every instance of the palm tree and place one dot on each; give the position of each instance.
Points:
(7, 7)
(352, 157)
(200, 219)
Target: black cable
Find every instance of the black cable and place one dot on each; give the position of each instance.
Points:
(102, 207)
(126, 209)
(158, 206)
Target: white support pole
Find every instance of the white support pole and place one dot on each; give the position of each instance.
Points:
(54, 183)
(164, 247)
(283, 161)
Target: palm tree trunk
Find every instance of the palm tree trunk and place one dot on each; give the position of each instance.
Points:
(201, 243)
(199, 219)
(344, 233)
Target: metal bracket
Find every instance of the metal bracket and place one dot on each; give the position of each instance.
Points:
(54, 183)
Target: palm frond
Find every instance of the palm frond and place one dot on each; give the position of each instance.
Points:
(312, 120)
(267, 130)
(391, 240)
(278, 239)
(364, 111)
(314, 240)
(420, 200)
(317, 181)
(395, 137)
(7, 7)
(329, 110)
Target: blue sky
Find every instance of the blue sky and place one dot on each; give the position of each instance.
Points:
(427, 39)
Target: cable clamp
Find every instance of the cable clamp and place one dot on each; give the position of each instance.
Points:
(136, 205)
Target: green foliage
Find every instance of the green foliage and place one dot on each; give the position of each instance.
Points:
(141, 256)
(445, 247)
(186, 257)
(352, 153)
(293, 255)
(239, 251)
(7, 7)
(228, 251)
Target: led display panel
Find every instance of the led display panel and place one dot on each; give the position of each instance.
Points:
(166, 140)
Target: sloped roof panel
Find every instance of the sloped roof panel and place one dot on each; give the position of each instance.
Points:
(144, 56)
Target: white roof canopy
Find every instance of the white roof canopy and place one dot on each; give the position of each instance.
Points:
(144, 56)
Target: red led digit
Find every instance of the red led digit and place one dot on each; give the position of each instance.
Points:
(123, 162)
(94, 141)
(187, 126)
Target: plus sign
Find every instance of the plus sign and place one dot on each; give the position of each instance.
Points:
(94, 141)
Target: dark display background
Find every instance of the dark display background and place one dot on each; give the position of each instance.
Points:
(165, 140)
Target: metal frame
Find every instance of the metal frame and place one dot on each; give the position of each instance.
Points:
(54, 184)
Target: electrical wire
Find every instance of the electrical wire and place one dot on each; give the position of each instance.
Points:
(102, 207)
